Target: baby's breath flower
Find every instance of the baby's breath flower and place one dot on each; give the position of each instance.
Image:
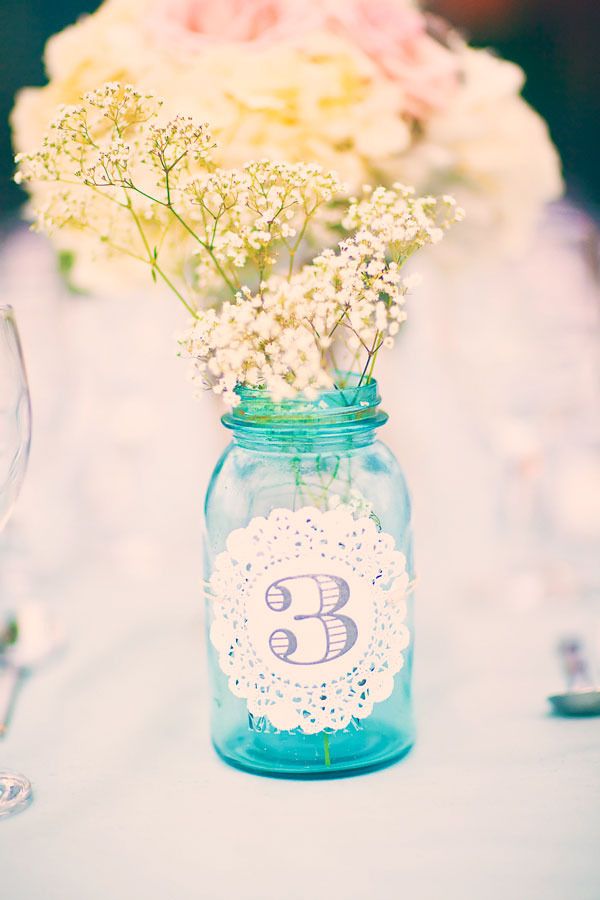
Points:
(180, 135)
(279, 337)
(123, 104)
(273, 348)
(113, 168)
(107, 167)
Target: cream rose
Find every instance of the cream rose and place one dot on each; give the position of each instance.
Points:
(359, 86)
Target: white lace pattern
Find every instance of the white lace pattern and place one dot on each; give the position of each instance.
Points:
(309, 612)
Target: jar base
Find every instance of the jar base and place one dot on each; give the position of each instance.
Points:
(296, 756)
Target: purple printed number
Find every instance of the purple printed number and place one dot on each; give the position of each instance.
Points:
(341, 631)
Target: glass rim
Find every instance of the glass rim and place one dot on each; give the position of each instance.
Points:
(6, 308)
(354, 406)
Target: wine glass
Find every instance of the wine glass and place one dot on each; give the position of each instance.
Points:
(15, 438)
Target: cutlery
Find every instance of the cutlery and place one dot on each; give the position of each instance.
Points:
(582, 697)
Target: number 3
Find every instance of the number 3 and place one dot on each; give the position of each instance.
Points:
(341, 632)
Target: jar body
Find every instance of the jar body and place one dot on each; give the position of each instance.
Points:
(256, 484)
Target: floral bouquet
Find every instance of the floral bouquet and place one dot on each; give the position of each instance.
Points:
(373, 89)
(146, 188)
(308, 543)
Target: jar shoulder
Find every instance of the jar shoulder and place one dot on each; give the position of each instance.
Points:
(238, 465)
(248, 483)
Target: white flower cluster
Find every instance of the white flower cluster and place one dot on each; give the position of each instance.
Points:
(178, 138)
(123, 103)
(415, 220)
(112, 167)
(115, 170)
(354, 501)
(87, 159)
(245, 213)
(284, 337)
(258, 340)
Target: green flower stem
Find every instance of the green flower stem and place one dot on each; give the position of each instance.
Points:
(152, 259)
(326, 752)
(208, 249)
(177, 293)
(131, 186)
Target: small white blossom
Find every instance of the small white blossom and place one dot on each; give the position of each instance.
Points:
(354, 501)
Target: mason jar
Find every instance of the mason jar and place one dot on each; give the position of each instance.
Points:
(309, 575)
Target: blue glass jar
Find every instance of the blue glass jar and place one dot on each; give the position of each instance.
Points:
(309, 575)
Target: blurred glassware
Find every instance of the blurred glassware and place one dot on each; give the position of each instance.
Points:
(15, 414)
(29, 636)
(15, 793)
(15, 440)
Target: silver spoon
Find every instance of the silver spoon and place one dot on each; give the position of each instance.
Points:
(27, 639)
(582, 697)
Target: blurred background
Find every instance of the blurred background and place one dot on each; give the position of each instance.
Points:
(494, 400)
(504, 355)
(554, 41)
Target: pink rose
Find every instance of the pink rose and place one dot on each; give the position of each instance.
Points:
(195, 23)
(394, 34)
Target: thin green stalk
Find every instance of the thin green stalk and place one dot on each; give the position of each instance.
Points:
(208, 249)
(177, 293)
(364, 371)
(152, 259)
(295, 246)
(326, 752)
(191, 231)
(371, 358)
(373, 361)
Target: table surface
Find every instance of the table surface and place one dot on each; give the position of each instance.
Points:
(498, 799)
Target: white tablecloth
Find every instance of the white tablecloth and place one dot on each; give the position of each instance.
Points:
(497, 800)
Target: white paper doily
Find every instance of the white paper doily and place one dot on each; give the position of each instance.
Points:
(309, 612)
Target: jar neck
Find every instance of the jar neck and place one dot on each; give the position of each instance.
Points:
(334, 421)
